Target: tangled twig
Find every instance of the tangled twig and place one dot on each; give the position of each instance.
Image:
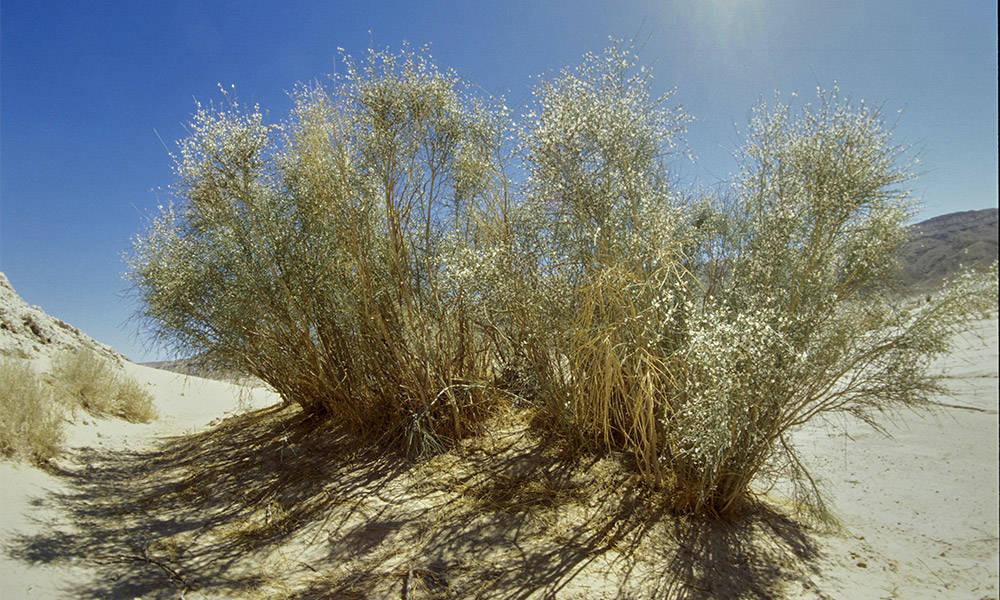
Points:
(144, 558)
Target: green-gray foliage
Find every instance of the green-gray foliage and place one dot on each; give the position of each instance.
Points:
(800, 317)
(314, 254)
(373, 257)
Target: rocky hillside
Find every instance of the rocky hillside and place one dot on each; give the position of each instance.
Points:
(27, 331)
(941, 246)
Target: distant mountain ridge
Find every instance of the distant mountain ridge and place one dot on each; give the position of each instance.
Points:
(197, 366)
(940, 247)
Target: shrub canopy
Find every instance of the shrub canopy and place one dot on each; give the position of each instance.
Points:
(373, 256)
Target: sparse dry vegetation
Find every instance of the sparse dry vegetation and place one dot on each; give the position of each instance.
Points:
(84, 379)
(400, 255)
(30, 422)
(33, 406)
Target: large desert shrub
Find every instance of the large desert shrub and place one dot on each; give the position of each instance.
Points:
(372, 257)
(799, 317)
(314, 254)
(30, 422)
(698, 334)
(597, 254)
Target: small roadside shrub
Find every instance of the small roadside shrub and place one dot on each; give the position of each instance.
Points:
(132, 401)
(86, 380)
(30, 422)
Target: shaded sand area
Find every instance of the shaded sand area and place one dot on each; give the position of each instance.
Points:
(272, 504)
(55, 507)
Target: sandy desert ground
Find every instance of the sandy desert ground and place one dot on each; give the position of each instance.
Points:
(920, 509)
(180, 508)
(29, 497)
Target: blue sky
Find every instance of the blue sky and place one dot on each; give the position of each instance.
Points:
(89, 88)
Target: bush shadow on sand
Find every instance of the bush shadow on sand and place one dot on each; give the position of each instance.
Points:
(275, 504)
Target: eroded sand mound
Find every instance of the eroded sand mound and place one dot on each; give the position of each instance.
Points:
(276, 504)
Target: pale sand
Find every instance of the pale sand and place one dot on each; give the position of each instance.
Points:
(185, 404)
(920, 509)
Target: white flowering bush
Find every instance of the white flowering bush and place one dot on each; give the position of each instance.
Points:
(399, 254)
(798, 316)
(596, 239)
(695, 334)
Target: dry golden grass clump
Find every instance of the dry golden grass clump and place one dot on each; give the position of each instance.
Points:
(33, 406)
(86, 380)
(30, 422)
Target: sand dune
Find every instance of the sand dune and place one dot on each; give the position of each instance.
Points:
(920, 509)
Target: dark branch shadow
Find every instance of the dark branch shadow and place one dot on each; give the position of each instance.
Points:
(277, 504)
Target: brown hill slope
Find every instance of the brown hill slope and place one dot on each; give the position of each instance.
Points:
(199, 366)
(941, 246)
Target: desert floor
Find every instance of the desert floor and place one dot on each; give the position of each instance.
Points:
(229, 495)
